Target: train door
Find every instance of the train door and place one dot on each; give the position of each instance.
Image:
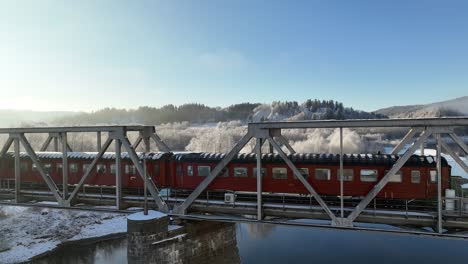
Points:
(431, 180)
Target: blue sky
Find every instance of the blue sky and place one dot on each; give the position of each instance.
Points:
(86, 55)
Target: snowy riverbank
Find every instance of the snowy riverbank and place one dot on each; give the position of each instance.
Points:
(26, 232)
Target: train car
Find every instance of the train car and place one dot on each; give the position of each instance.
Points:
(78, 162)
(417, 179)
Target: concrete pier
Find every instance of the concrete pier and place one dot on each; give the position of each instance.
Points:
(152, 240)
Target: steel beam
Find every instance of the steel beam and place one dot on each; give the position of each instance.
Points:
(341, 176)
(159, 143)
(89, 170)
(439, 183)
(303, 180)
(137, 142)
(258, 153)
(6, 146)
(64, 165)
(147, 143)
(45, 176)
(182, 208)
(379, 186)
(69, 148)
(285, 142)
(98, 140)
(17, 171)
(459, 141)
(118, 174)
(72, 129)
(56, 148)
(359, 123)
(454, 156)
(162, 206)
(46, 143)
(406, 140)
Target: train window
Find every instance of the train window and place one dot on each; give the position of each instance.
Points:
(85, 167)
(280, 173)
(262, 171)
(348, 174)
(322, 174)
(415, 176)
(130, 169)
(73, 167)
(224, 173)
(240, 172)
(369, 175)
(101, 168)
(156, 170)
(48, 167)
(433, 174)
(179, 170)
(203, 170)
(59, 167)
(189, 170)
(24, 166)
(304, 172)
(112, 168)
(397, 177)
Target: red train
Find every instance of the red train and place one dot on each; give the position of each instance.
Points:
(417, 179)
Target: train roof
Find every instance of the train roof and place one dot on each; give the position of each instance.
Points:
(314, 158)
(309, 158)
(92, 155)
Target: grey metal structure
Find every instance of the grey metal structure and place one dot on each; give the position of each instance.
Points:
(419, 131)
(118, 134)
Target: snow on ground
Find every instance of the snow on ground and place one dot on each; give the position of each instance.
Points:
(29, 231)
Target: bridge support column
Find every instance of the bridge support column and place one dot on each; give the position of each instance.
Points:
(118, 175)
(17, 171)
(98, 141)
(258, 153)
(439, 184)
(64, 165)
(341, 176)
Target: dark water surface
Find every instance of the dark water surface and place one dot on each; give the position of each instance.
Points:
(262, 243)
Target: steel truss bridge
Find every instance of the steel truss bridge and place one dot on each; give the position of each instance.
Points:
(197, 203)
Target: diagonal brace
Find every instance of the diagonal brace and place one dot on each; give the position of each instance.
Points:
(90, 169)
(379, 186)
(285, 142)
(181, 209)
(159, 143)
(406, 140)
(151, 186)
(302, 179)
(459, 141)
(46, 143)
(454, 156)
(6, 146)
(45, 176)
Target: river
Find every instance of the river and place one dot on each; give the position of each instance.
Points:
(264, 243)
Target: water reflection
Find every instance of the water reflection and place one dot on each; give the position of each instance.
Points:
(289, 244)
(264, 243)
(106, 252)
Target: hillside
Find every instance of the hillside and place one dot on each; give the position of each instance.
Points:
(454, 107)
(199, 113)
(16, 118)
